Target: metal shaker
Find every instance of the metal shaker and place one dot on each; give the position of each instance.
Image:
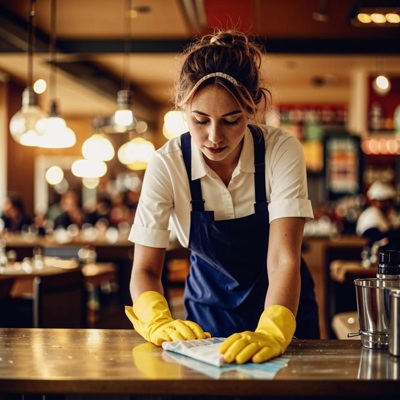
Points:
(373, 301)
(389, 265)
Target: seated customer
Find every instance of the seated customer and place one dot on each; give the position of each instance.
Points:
(71, 211)
(378, 217)
(378, 222)
(13, 214)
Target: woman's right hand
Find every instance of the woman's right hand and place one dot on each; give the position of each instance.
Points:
(152, 319)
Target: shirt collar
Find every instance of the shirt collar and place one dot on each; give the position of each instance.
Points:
(246, 160)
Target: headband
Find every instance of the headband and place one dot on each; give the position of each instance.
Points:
(208, 76)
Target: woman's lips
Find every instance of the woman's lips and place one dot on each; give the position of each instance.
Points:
(215, 150)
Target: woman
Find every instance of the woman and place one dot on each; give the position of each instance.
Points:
(236, 194)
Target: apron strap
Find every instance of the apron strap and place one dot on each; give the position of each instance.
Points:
(259, 166)
(195, 187)
(259, 175)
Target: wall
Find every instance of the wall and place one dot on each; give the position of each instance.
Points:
(3, 141)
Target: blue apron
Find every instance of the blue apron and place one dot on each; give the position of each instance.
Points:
(227, 283)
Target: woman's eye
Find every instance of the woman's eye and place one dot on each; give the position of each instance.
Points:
(234, 122)
(201, 122)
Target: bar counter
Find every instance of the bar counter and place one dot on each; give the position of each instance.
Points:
(119, 362)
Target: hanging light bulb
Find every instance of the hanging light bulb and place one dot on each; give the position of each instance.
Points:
(98, 147)
(89, 168)
(54, 175)
(53, 130)
(136, 153)
(23, 125)
(174, 124)
(124, 120)
(381, 85)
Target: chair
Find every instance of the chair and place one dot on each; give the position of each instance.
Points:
(59, 301)
(6, 284)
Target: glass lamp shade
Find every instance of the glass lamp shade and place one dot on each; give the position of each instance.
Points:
(89, 168)
(55, 134)
(174, 124)
(54, 175)
(124, 119)
(136, 153)
(24, 123)
(381, 85)
(98, 147)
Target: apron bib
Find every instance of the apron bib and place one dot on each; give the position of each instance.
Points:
(227, 283)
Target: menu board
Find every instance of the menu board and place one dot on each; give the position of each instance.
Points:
(343, 165)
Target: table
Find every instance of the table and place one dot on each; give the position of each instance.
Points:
(119, 253)
(95, 274)
(120, 362)
(346, 271)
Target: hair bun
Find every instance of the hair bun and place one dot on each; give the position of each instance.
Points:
(228, 38)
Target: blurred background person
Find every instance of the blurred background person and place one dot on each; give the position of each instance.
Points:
(380, 215)
(99, 211)
(72, 212)
(13, 214)
(379, 222)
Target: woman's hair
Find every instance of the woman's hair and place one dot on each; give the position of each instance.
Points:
(228, 58)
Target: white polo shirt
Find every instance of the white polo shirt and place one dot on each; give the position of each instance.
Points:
(165, 192)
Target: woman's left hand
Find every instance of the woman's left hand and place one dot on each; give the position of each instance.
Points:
(274, 332)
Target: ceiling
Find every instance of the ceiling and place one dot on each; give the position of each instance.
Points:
(307, 59)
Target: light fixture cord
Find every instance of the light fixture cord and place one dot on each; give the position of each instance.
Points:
(127, 44)
(53, 62)
(31, 34)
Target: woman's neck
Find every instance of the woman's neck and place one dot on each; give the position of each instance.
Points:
(224, 168)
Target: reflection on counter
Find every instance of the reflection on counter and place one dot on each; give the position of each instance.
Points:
(378, 364)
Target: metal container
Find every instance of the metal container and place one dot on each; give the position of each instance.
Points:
(394, 336)
(373, 306)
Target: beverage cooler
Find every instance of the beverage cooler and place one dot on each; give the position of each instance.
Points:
(343, 165)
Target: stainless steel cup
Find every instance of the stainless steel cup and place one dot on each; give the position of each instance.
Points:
(373, 306)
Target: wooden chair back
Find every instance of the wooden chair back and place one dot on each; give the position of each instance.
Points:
(6, 284)
(59, 301)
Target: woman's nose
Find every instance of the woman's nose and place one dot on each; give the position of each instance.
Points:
(215, 135)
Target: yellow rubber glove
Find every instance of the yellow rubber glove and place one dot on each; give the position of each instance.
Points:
(152, 319)
(271, 338)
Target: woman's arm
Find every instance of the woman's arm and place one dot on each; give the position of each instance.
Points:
(147, 270)
(283, 262)
(150, 314)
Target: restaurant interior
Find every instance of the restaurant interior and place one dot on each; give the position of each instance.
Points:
(98, 59)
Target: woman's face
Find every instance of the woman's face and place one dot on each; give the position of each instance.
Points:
(216, 123)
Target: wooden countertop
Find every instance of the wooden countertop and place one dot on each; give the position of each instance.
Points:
(119, 362)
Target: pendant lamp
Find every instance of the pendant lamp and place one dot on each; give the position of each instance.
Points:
(98, 147)
(124, 119)
(174, 124)
(24, 123)
(136, 153)
(54, 130)
(89, 168)
(381, 84)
